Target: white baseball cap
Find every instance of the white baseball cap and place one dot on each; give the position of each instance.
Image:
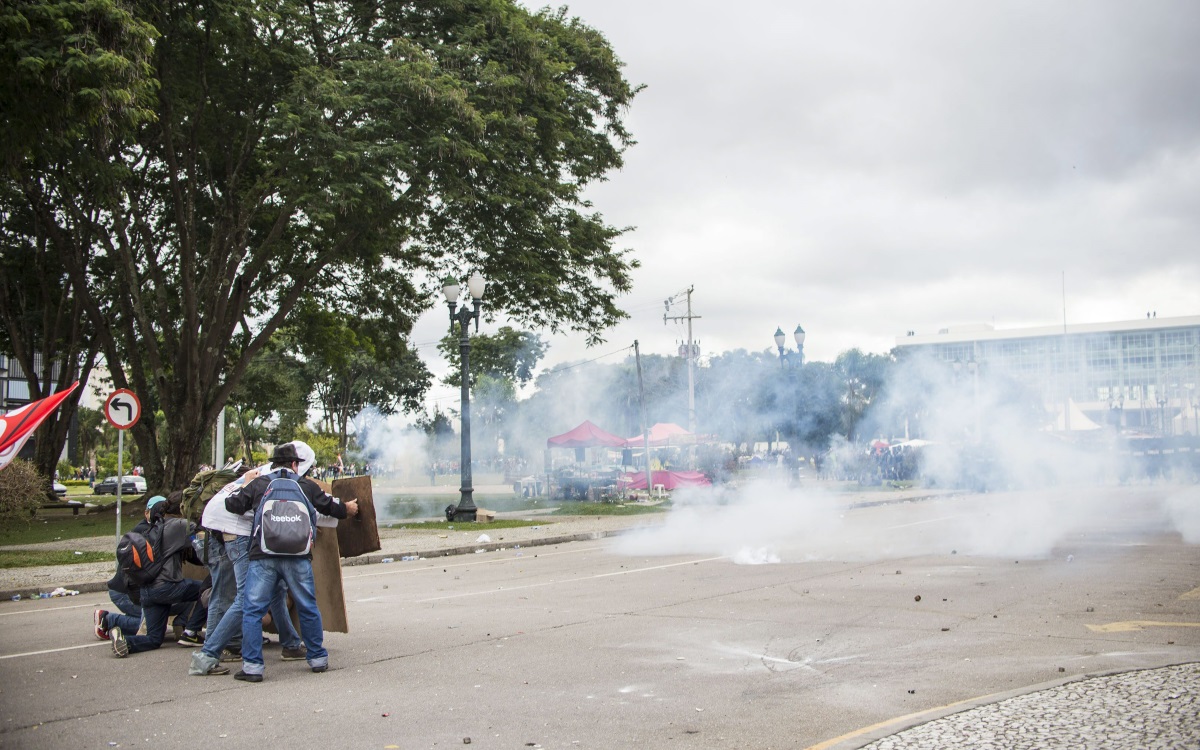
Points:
(308, 457)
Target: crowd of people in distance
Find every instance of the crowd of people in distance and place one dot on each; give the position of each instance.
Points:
(249, 575)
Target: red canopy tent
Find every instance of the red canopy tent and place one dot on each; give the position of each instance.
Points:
(668, 479)
(661, 435)
(586, 435)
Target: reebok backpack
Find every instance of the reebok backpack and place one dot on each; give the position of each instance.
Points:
(285, 520)
(140, 556)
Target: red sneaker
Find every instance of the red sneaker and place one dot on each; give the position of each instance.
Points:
(101, 631)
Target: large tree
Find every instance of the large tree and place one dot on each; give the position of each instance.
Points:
(77, 83)
(340, 152)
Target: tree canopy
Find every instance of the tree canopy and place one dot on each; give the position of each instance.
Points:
(328, 153)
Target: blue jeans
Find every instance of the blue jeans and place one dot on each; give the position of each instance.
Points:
(229, 629)
(263, 581)
(125, 604)
(157, 601)
(224, 582)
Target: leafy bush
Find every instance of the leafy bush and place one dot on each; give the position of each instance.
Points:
(22, 491)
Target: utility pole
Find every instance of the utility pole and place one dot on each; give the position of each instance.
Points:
(637, 357)
(691, 357)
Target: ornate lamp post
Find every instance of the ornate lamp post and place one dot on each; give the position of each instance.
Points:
(798, 335)
(465, 510)
(780, 337)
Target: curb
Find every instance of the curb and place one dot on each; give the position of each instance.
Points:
(374, 558)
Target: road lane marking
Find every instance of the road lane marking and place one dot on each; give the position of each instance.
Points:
(1193, 594)
(54, 650)
(927, 520)
(508, 589)
(48, 609)
(1131, 625)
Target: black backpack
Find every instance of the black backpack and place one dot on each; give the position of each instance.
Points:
(285, 521)
(141, 556)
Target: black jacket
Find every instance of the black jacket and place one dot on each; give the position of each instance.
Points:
(177, 545)
(250, 495)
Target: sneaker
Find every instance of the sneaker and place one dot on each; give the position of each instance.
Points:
(101, 631)
(294, 654)
(119, 646)
(203, 664)
(247, 677)
(321, 668)
(190, 639)
(228, 656)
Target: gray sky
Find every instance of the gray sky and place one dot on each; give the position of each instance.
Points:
(868, 168)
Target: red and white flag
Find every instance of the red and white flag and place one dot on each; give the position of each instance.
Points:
(17, 425)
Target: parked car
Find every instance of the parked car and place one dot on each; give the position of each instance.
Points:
(60, 489)
(130, 485)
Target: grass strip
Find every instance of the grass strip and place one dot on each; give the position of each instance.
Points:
(608, 509)
(507, 523)
(17, 558)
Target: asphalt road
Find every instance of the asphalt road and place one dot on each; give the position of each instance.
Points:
(869, 615)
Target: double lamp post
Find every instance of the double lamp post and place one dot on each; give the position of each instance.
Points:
(465, 510)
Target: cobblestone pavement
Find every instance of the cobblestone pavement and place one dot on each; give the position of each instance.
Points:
(1152, 709)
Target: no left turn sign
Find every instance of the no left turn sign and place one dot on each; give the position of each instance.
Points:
(122, 409)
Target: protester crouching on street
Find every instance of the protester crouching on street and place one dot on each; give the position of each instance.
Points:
(129, 619)
(168, 589)
(267, 570)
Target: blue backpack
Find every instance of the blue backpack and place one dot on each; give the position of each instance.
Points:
(285, 522)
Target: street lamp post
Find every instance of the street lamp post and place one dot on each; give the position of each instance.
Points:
(465, 510)
(784, 357)
(1162, 412)
(780, 337)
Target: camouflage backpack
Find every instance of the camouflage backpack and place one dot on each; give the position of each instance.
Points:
(203, 486)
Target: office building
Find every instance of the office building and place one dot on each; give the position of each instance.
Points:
(1137, 375)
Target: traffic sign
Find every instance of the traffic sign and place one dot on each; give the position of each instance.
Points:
(122, 409)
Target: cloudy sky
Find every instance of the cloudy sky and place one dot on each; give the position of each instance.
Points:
(865, 168)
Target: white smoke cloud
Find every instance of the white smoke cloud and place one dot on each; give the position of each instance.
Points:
(771, 523)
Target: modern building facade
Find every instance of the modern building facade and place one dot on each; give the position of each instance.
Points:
(1139, 375)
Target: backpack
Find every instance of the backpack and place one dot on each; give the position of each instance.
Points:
(285, 520)
(203, 486)
(141, 556)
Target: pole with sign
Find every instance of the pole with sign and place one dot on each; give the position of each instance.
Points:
(122, 410)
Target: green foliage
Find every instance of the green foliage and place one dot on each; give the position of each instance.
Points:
(324, 445)
(352, 363)
(507, 354)
(55, 525)
(22, 490)
(609, 509)
(35, 558)
(73, 71)
(332, 153)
